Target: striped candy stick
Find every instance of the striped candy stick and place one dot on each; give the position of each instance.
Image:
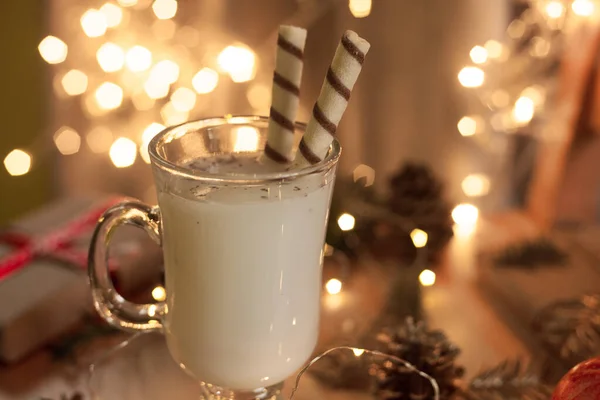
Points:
(285, 93)
(333, 99)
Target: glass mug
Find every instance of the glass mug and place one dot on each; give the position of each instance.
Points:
(243, 254)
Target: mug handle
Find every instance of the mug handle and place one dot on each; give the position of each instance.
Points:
(111, 306)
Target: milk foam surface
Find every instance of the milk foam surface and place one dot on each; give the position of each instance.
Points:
(243, 273)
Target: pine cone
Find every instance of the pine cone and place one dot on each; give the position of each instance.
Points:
(416, 195)
(429, 351)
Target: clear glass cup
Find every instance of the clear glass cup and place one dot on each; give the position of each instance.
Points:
(243, 254)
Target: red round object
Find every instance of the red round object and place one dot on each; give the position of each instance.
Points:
(582, 382)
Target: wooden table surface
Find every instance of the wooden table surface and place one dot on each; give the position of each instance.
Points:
(454, 304)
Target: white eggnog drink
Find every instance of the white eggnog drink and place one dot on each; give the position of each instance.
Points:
(243, 272)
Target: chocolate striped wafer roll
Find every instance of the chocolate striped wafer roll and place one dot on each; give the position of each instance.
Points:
(333, 99)
(285, 93)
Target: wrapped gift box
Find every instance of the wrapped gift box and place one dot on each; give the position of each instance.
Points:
(47, 293)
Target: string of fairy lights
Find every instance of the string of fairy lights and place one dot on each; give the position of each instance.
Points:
(514, 80)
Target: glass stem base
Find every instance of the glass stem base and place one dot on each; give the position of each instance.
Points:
(210, 392)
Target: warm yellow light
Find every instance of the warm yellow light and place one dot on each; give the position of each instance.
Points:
(127, 3)
(17, 162)
(171, 116)
(142, 102)
(583, 8)
(246, 139)
(164, 9)
(494, 49)
(94, 23)
(468, 126)
(53, 50)
(159, 293)
(74, 82)
(540, 47)
(110, 57)
(138, 58)
(516, 29)
(419, 238)
(205, 80)
(109, 96)
(523, 110)
(364, 171)
(183, 99)
(427, 277)
(465, 214)
(358, 352)
(346, 222)
(123, 152)
(479, 55)
(166, 71)
(259, 96)
(238, 61)
(155, 89)
(360, 8)
(333, 286)
(99, 139)
(555, 9)
(113, 14)
(500, 98)
(471, 77)
(476, 185)
(67, 141)
(151, 130)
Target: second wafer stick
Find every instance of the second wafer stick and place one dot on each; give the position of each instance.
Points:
(333, 99)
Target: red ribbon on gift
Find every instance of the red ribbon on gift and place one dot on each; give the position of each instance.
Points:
(56, 245)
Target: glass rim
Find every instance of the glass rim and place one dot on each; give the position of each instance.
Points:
(173, 132)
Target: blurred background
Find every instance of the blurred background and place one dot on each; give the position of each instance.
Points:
(86, 85)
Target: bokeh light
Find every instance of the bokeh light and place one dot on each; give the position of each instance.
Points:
(67, 141)
(479, 55)
(110, 57)
(183, 99)
(159, 293)
(109, 96)
(138, 59)
(17, 162)
(465, 214)
(113, 14)
(53, 50)
(74, 82)
(427, 277)
(99, 139)
(205, 80)
(164, 9)
(238, 61)
(123, 152)
(476, 185)
(94, 23)
(468, 126)
(333, 286)
(346, 222)
(419, 238)
(523, 110)
(471, 77)
(360, 8)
